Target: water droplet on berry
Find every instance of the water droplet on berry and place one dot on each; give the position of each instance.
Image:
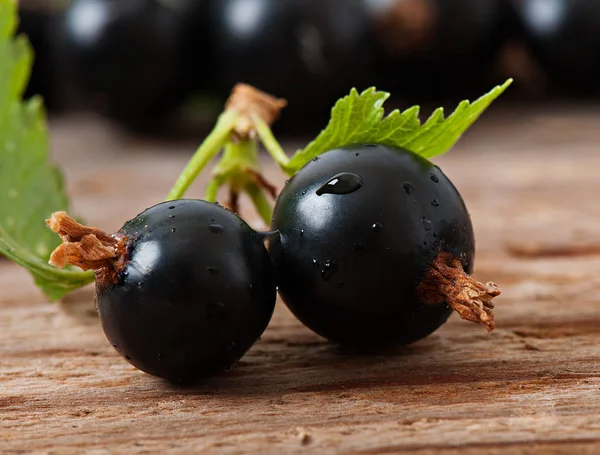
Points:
(171, 216)
(328, 269)
(216, 228)
(301, 232)
(434, 178)
(343, 183)
(303, 192)
(435, 203)
(316, 263)
(173, 229)
(427, 224)
(357, 154)
(377, 226)
(408, 187)
(316, 158)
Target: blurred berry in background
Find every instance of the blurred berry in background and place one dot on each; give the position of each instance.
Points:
(564, 38)
(432, 50)
(35, 21)
(310, 52)
(124, 57)
(146, 64)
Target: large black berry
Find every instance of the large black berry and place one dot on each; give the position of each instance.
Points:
(189, 290)
(364, 233)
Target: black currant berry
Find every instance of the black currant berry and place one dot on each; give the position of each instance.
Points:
(373, 242)
(124, 58)
(307, 51)
(437, 48)
(563, 37)
(183, 290)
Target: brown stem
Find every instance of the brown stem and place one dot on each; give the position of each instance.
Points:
(446, 281)
(234, 196)
(85, 247)
(248, 101)
(262, 182)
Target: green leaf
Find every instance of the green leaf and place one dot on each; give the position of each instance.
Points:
(30, 188)
(359, 119)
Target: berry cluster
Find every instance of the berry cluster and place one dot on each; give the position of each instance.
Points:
(371, 246)
(149, 64)
(141, 62)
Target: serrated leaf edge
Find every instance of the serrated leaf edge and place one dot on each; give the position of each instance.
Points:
(436, 119)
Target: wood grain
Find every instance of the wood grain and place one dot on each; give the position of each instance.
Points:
(532, 386)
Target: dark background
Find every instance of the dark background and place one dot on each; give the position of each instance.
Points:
(165, 68)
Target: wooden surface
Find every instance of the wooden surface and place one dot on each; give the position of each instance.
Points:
(532, 386)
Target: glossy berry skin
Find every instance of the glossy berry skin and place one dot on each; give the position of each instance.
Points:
(563, 37)
(196, 292)
(349, 264)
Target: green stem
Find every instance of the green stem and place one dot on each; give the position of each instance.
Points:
(237, 159)
(212, 188)
(270, 143)
(263, 206)
(239, 156)
(207, 150)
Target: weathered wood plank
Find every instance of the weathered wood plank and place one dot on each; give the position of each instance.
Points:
(530, 387)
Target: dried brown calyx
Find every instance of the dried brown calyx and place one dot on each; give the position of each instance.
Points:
(446, 281)
(248, 101)
(85, 247)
